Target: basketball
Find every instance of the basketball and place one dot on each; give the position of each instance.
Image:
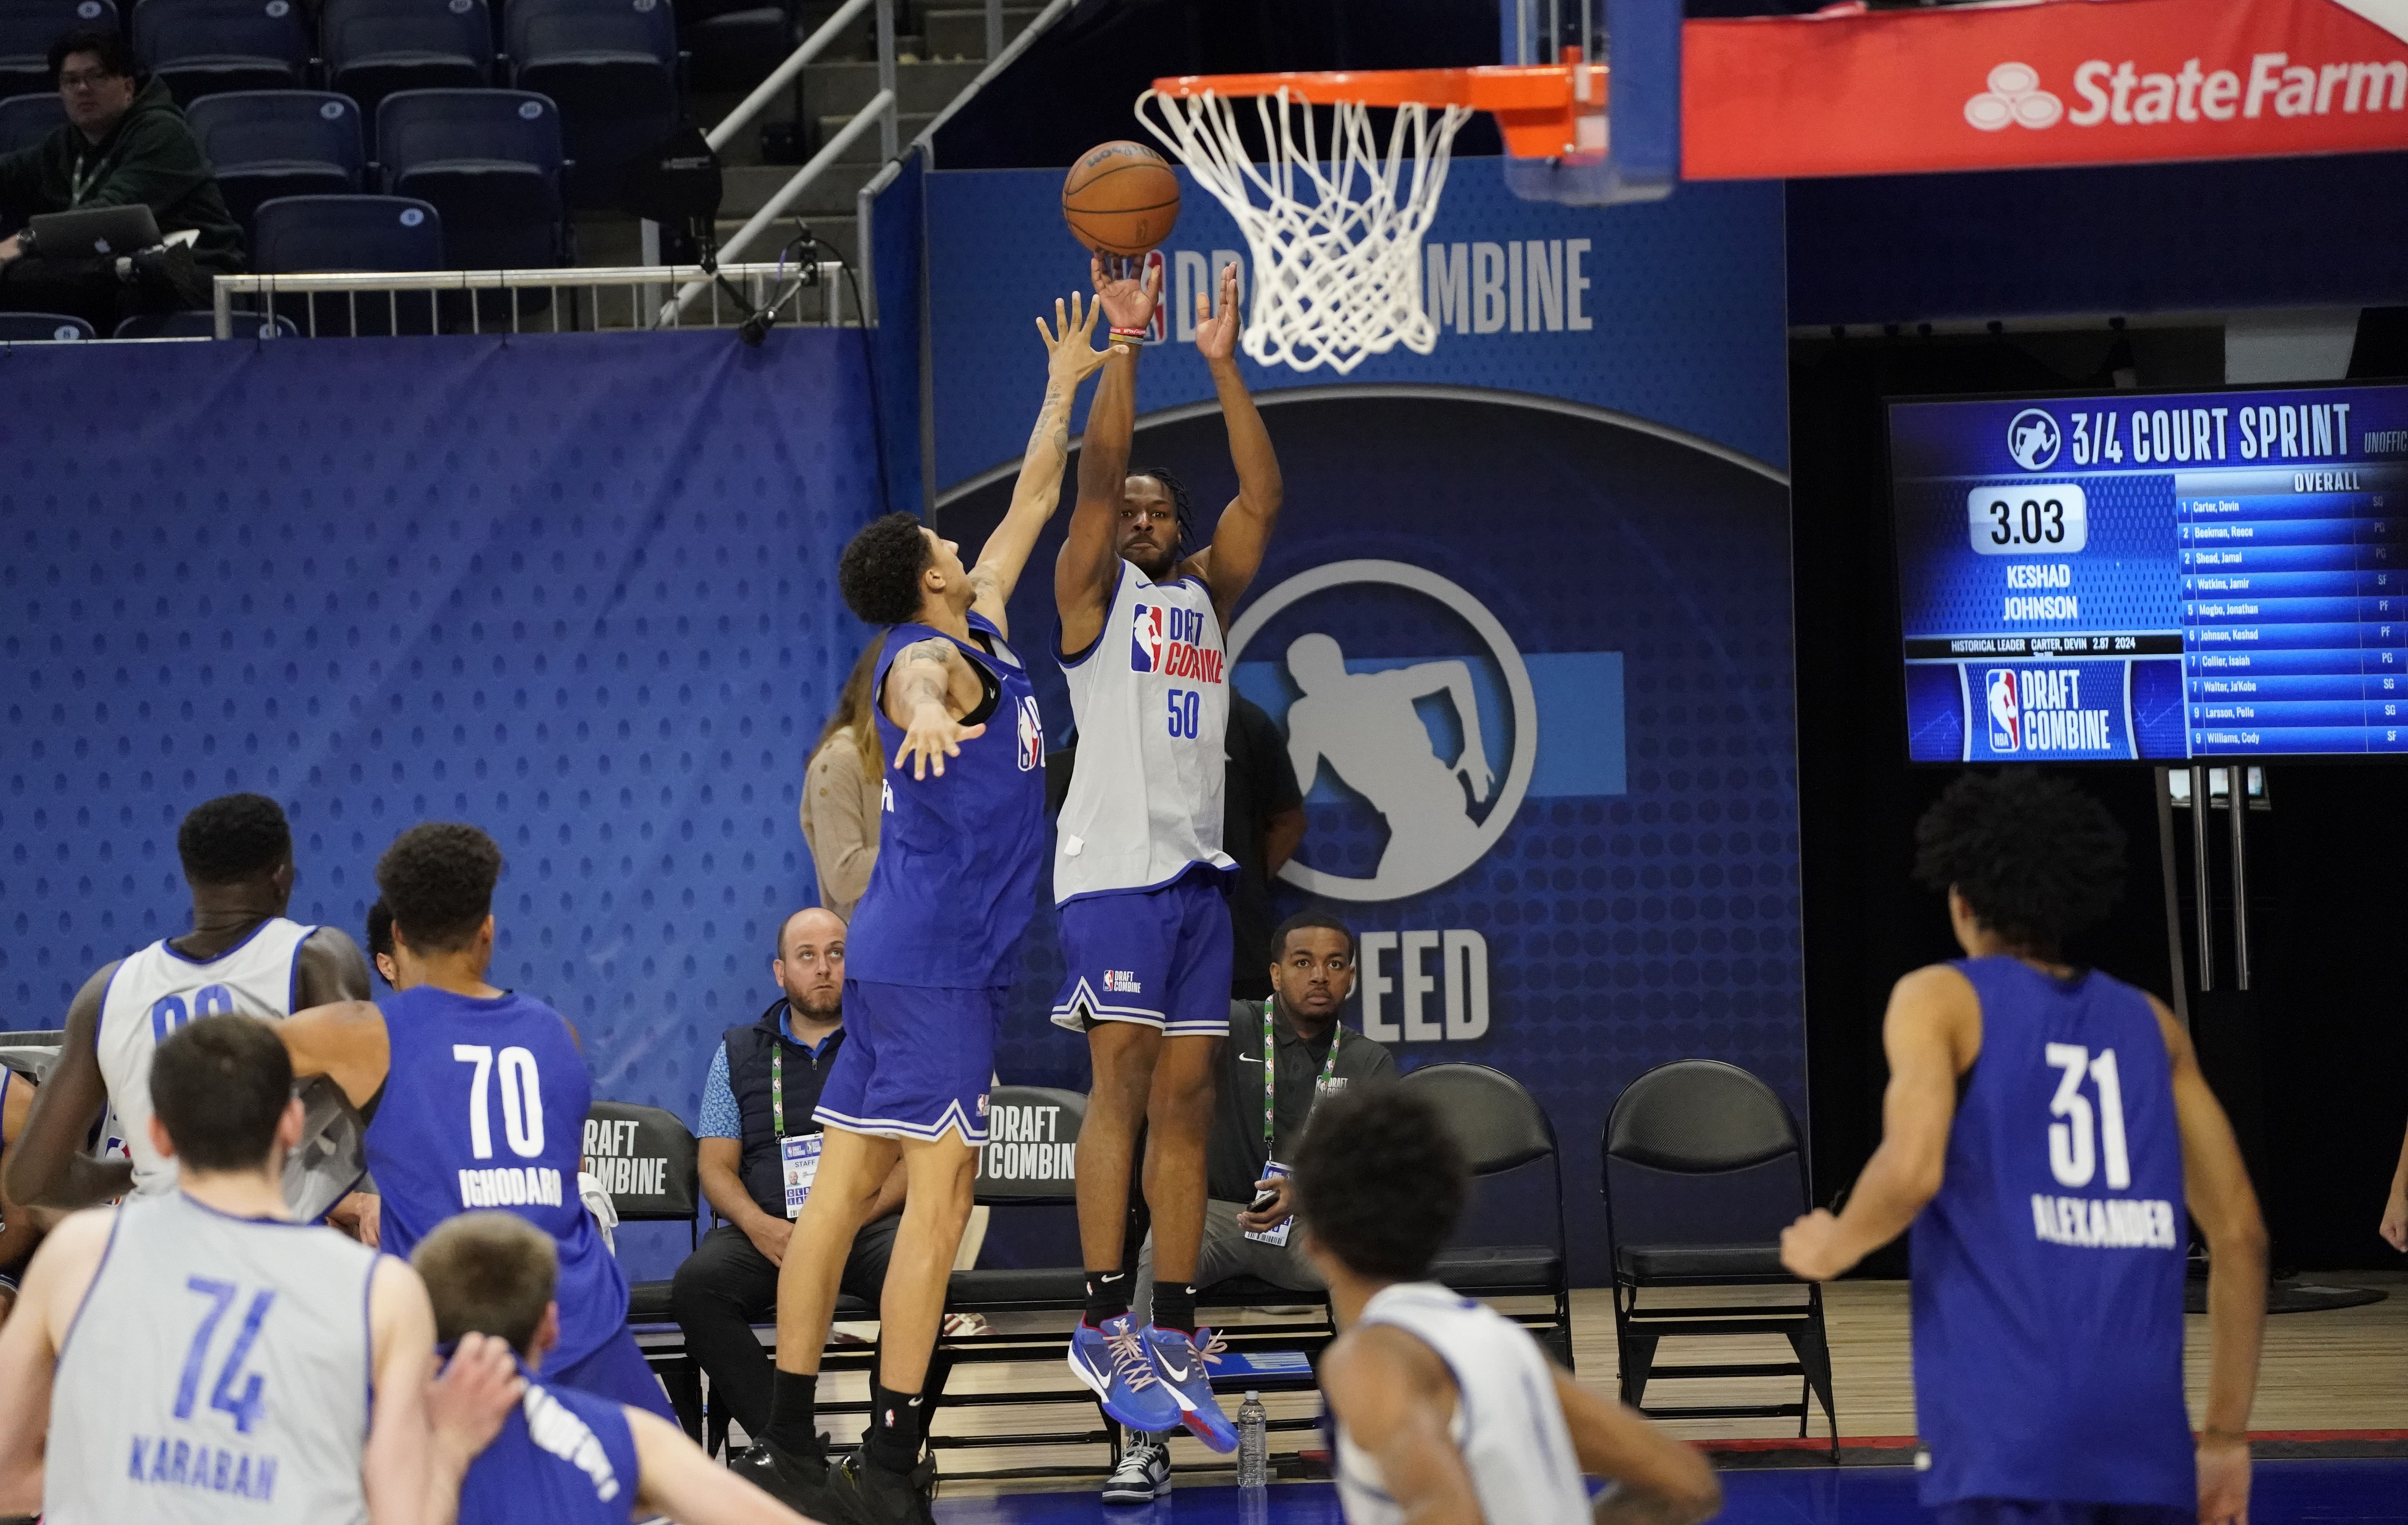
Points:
(1121, 198)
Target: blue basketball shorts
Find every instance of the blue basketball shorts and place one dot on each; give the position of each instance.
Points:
(1159, 958)
(916, 1061)
(616, 1370)
(2055, 1512)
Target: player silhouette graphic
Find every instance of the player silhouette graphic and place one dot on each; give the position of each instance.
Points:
(1365, 726)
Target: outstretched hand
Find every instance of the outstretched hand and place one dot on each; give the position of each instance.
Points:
(933, 736)
(1216, 335)
(1070, 347)
(1126, 288)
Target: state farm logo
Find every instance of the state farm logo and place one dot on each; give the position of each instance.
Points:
(2014, 96)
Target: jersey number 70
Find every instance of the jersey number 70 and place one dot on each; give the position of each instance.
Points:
(522, 1101)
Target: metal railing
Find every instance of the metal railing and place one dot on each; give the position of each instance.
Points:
(558, 301)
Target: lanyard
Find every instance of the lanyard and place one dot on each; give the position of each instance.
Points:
(1271, 1046)
(81, 179)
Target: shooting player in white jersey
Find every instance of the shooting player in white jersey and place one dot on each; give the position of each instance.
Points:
(197, 1356)
(242, 955)
(1446, 1411)
(1138, 867)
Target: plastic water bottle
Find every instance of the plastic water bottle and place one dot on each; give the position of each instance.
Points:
(1254, 1443)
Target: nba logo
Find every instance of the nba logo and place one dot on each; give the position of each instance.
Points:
(1032, 736)
(2006, 712)
(1157, 328)
(1145, 640)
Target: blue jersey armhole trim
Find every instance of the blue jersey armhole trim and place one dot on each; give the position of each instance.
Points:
(76, 1323)
(367, 1343)
(222, 954)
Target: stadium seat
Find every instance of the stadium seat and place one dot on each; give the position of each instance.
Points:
(1702, 1169)
(612, 67)
(294, 235)
(41, 327)
(374, 48)
(201, 325)
(489, 161)
(206, 46)
(1502, 1129)
(26, 120)
(733, 44)
(640, 1137)
(27, 29)
(271, 143)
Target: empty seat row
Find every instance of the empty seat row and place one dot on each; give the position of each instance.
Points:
(489, 161)
(612, 65)
(48, 328)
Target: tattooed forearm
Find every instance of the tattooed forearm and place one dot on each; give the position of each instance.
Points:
(927, 673)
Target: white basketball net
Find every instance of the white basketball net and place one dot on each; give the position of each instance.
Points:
(1337, 247)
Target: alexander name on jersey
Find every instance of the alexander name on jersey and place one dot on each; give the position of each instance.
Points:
(1169, 641)
(2104, 1223)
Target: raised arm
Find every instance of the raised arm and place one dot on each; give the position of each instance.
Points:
(1084, 572)
(1235, 554)
(1072, 357)
(1663, 1482)
(1396, 1397)
(47, 1166)
(1930, 1036)
(2216, 1185)
(346, 1042)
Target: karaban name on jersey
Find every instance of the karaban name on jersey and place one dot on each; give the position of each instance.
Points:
(1152, 701)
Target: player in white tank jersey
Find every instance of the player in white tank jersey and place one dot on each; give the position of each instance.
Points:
(1138, 865)
(243, 955)
(197, 1356)
(1444, 1409)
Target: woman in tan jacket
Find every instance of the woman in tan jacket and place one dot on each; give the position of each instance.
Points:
(840, 791)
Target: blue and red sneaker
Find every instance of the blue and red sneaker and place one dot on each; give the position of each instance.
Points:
(1112, 1360)
(1181, 1365)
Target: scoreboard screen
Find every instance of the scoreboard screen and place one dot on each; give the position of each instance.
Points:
(2140, 575)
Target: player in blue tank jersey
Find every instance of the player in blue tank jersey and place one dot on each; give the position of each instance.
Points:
(563, 1457)
(480, 1096)
(2044, 1131)
(929, 960)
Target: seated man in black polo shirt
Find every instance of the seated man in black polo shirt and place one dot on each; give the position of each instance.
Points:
(760, 1149)
(1258, 1115)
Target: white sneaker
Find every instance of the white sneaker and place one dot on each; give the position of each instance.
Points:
(1143, 1477)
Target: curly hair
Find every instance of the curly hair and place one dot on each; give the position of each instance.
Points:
(438, 879)
(1380, 1181)
(1178, 491)
(879, 573)
(233, 838)
(2036, 860)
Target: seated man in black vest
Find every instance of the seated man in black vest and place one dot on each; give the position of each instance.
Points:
(760, 1152)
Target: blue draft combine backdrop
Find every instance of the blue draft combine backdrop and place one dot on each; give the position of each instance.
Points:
(578, 590)
(1569, 836)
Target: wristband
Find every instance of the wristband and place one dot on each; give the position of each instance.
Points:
(1137, 333)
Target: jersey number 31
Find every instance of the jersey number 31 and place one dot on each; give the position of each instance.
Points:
(2072, 1156)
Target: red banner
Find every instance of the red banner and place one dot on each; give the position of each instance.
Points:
(1848, 91)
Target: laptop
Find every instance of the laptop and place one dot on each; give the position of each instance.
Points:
(95, 231)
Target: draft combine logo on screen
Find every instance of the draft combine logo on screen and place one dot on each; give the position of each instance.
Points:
(1362, 720)
(1169, 639)
(2033, 439)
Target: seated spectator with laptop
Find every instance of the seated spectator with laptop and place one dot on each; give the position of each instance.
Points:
(124, 145)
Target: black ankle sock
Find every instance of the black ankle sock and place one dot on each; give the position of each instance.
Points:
(794, 1412)
(1108, 1294)
(1174, 1307)
(898, 1421)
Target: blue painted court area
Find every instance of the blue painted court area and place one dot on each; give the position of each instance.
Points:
(2321, 1492)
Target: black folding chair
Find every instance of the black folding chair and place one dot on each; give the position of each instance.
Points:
(647, 1162)
(1502, 1128)
(1703, 1168)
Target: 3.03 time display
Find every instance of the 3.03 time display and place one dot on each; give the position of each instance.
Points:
(2027, 518)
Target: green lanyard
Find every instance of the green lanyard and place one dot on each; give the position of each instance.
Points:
(778, 1088)
(1271, 1046)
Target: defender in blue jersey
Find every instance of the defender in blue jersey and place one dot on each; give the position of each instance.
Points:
(479, 1096)
(2045, 1129)
(563, 1457)
(928, 958)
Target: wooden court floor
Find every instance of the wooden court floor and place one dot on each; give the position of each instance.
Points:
(2342, 1371)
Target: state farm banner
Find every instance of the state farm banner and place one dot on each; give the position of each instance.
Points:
(2031, 84)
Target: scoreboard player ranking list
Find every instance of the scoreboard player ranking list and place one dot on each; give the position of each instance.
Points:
(2128, 576)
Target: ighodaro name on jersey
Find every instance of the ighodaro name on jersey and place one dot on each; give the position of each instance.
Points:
(2104, 1223)
(510, 1187)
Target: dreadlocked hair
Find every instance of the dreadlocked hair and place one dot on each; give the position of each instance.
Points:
(1178, 492)
(2036, 860)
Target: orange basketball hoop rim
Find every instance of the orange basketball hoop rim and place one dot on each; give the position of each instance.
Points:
(1537, 106)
